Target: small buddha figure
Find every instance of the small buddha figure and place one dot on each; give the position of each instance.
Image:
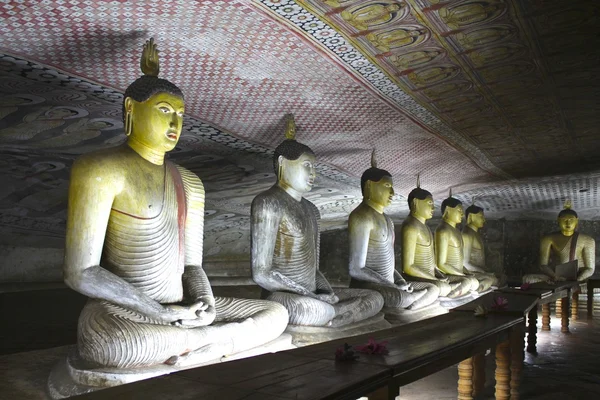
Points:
(449, 249)
(564, 246)
(418, 251)
(473, 249)
(398, 37)
(134, 247)
(372, 15)
(372, 260)
(285, 246)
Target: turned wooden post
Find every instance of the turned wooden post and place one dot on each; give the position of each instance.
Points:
(546, 317)
(564, 328)
(516, 363)
(503, 371)
(532, 330)
(465, 379)
(558, 311)
(478, 374)
(575, 306)
(590, 299)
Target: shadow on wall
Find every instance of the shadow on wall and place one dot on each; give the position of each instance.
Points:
(512, 246)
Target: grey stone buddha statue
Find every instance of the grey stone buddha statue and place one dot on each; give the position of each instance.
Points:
(372, 263)
(134, 247)
(285, 247)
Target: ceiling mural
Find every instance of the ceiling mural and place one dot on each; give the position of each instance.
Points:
(491, 97)
(487, 68)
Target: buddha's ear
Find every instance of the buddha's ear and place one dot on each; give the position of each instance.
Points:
(128, 104)
(280, 160)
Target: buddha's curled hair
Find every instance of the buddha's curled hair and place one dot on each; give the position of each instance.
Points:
(290, 150)
(451, 202)
(417, 193)
(373, 174)
(147, 86)
(472, 209)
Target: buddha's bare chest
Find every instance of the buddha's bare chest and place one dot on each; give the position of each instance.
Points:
(299, 221)
(143, 195)
(382, 229)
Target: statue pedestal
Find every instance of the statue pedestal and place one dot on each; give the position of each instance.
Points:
(307, 335)
(69, 377)
(449, 303)
(400, 316)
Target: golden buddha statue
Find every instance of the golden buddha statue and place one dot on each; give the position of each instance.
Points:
(418, 251)
(564, 246)
(134, 247)
(372, 260)
(473, 248)
(371, 15)
(285, 246)
(449, 249)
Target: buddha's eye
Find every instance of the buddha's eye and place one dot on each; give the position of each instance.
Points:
(180, 113)
(165, 110)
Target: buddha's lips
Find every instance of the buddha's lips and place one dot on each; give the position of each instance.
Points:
(172, 135)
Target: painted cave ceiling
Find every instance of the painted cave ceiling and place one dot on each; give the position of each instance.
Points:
(497, 99)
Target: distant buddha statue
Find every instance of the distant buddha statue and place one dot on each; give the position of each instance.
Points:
(474, 250)
(134, 247)
(564, 246)
(449, 249)
(418, 245)
(372, 260)
(285, 246)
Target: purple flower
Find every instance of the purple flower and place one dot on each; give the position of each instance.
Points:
(373, 347)
(500, 303)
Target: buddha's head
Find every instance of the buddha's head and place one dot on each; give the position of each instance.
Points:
(475, 216)
(452, 211)
(153, 107)
(420, 202)
(377, 185)
(294, 162)
(568, 220)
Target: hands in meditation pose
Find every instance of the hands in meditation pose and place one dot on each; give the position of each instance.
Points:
(285, 247)
(372, 259)
(134, 247)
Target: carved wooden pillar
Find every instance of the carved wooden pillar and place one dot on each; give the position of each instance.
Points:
(558, 312)
(532, 331)
(516, 363)
(564, 328)
(546, 317)
(478, 374)
(574, 306)
(465, 379)
(503, 371)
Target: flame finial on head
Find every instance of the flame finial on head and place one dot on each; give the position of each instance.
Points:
(419, 180)
(568, 204)
(290, 127)
(373, 159)
(450, 192)
(149, 61)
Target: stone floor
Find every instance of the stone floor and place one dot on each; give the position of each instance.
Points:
(566, 367)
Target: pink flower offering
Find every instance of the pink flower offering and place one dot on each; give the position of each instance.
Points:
(500, 303)
(525, 286)
(373, 347)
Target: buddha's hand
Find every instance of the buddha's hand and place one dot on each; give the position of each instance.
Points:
(403, 285)
(174, 314)
(330, 298)
(204, 313)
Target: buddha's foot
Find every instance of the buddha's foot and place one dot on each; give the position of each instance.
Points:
(340, 320)
(206, 353)
(415, 297)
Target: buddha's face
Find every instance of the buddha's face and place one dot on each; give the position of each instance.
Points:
(477, 220)
(380, 192)
(567, 224)
(157, 122)
(298, 174)
(453, 214)
(423, 208)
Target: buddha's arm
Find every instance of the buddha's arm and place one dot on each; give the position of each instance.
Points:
(359, 229)
(91, 194)
(409, 247)
(545, 248)
(196, 286)
(265, 220)
(589, 260)
(467, 246)
(442, 241)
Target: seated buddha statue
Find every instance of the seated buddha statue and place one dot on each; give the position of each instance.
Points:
(449, 249)
(564, 246)
(285, 246)
(372, 261)
(473, 248)
(134, 247)
(418, 246)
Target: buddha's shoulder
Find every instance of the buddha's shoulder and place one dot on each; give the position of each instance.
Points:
(271, 197)
(102, 163)
(363, 211)
(586, 239)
